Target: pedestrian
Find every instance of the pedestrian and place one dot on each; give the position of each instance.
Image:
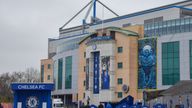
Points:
(100, 106)
(108, 105)
(1, 106)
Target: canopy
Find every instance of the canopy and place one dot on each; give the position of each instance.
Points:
(181, 88)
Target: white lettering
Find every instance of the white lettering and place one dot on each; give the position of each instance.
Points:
(31, 87)
(42, 86)
(19, 87)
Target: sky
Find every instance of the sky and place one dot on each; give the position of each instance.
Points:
(26, 25)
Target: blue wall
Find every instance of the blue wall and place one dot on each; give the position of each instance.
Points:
(23, 92)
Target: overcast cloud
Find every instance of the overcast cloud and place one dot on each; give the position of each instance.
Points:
(26, 25)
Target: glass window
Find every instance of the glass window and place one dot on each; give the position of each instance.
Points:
(187, 24)
(42, 73)
(190, 46)
(84, 68)
(169, 28)
(112, 33)
(177, 26)
(68, 72)
(145, 26)
(49, 66)
(190, 25)
(60, 73)
(119, 81)
(84, 83)
(173, 26)
(160, 28)
(120, 65)
(84, 95)
(182, 26)
(84, 54)
(55, 72)
(119, 94)
(164, 27)
(120, 49)
(48, 77)
(170, 63)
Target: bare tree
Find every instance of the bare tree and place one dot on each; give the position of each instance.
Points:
(5, 92)
(30, 75)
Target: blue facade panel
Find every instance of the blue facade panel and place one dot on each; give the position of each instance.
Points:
(96, 73)
(32, 95)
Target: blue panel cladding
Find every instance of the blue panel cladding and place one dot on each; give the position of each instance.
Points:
(147, 64)
(32, 95)
(96, 72)
(42, 96)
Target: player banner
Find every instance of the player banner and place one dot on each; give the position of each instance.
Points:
(96, 73)
(105, 78)
(147, 63)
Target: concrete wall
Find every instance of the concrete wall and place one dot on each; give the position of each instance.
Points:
(130, 68)
(138, 20)
(47, 71)
(75, 60)
(81, 72)
(134, 20)
(183, 39)
(106, 48)
(54, 43)
(128, 73)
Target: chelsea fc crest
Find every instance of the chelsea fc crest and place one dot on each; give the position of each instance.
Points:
(94, 46)
(32, 102)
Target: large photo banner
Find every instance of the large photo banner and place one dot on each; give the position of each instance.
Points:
(96, 73)
(105, 78)
(87, 74)
(147, 63)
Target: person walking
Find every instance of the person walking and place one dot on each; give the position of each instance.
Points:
(100, 106)
(1, 105)
(108, 105)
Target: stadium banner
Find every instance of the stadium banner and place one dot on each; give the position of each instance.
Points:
(147, 53)
(105, 78)
(96, 72)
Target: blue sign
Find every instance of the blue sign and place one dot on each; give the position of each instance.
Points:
(96, 73)
(32, 95)
(99, 38)
(147, 64)
(31, 86)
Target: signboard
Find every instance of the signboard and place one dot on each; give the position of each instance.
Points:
(96, 73)
(147, 64)
(99, 38)
(31, 86)
(32, 95)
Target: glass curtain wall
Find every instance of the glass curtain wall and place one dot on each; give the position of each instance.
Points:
(170, 63)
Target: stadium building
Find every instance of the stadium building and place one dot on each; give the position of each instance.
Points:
(142, 51)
